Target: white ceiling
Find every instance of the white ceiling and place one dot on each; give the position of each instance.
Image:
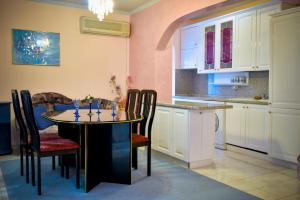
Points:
(126, 6)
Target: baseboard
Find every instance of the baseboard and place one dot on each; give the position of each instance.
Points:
(261, 156)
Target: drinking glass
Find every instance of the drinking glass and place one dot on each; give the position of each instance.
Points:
(98, 106)
(76, 105)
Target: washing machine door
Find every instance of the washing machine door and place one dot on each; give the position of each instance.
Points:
(217, 123)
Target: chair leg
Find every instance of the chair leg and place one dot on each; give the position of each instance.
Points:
(134, 158)
(61, 167)
(53, 162)
(149, 160)
(32, 168)
(39, 174)
(21, 160)
(27, 164)
(77, 169)
(67, 171)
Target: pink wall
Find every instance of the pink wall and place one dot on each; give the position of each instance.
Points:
(87, 60)
(150, 54)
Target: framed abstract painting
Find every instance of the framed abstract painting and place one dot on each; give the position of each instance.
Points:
(35, 48)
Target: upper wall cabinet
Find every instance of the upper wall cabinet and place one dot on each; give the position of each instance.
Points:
(217, 45)
(245, 40)
(263, 35)
(190, 40)
(237, 42)
(252, 51)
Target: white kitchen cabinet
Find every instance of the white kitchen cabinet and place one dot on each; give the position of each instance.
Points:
(235, 125)
(169, 131)
(257, 127)
(163, 124)
(245, 41)
(190, 37)
(284, 79)
(190, 47)
(247, 126)
(180, 133)
(285, 134)
(185, 134)
(285, 66)
(263, 35)
(189, 58)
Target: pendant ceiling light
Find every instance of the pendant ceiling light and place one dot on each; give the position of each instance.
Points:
(101, 7)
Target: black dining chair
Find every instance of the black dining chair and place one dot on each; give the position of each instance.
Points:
(132, 100)
(42, 148)
(25, 140)
(132, 104)
(146, 108)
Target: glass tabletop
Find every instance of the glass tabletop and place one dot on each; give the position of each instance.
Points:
(85, 117)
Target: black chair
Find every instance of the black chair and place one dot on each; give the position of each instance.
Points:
(132, 104)
(24, 146)
(146, 108)
(132, 100)
(59, 146)
(25, 141)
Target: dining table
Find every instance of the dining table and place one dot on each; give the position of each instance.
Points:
(105, 140)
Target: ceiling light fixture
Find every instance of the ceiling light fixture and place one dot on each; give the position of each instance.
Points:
(101, 7)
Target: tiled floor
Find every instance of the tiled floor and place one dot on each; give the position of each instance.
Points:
(249, 174)
(255, 176)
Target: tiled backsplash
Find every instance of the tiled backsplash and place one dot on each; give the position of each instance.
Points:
(188, 82)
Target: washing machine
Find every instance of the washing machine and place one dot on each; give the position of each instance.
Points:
(220, 131)
(220, 137)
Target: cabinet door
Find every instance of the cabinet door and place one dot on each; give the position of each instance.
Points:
(201, 55)
(285, 68)
(226, 44)
(190, 37)
(235, 125)
(263, 35)
(210, 42)
(257, 127)
(189, 58)
(285, 137)
(245, 40)
(163, 129)
(180, 133)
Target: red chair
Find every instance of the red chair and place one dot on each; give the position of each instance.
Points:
(45, 148)
(25, 140)
(146, 108)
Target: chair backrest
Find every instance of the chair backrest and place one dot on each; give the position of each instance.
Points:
(147, 105)
(19, 117)
(29, 116)
(132, 100)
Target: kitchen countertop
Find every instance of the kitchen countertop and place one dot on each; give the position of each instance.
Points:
(195, 106)
(224, 99)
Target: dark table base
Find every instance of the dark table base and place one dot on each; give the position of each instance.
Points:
(105, 151)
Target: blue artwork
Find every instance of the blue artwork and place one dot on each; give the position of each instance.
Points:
(35, 48)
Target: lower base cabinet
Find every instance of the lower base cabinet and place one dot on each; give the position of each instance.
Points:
(169, 131)
(184, 134)
(285, 134)
(248, 126)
